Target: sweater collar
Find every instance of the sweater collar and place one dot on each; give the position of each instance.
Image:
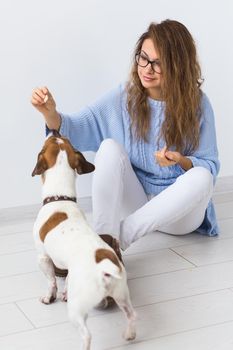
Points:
(156, 103)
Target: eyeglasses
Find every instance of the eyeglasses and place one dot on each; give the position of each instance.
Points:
(143, 61)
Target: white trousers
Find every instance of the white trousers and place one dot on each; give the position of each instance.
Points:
(122, 208)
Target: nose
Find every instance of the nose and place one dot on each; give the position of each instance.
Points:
(56, 133)
(149, 69)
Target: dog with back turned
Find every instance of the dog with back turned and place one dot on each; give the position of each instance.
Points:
(64, 239)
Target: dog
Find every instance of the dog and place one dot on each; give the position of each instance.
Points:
(64, 239)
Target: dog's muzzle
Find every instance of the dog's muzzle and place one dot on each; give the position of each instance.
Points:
(55, 133)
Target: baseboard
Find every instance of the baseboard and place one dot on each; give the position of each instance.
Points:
(223, 192)
(27, 213)
(224, 184)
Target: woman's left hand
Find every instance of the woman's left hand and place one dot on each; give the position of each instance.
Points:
(167, 158)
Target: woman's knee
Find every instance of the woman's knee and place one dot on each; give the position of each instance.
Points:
(201, 177)
(110, 151)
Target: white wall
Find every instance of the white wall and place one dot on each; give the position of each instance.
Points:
(81, 49)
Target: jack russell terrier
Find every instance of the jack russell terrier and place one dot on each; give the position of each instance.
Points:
(63, 238)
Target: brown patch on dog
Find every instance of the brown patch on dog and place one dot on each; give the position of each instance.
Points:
(52, 222)
(101, 254)
(75, 158)
(48, 156)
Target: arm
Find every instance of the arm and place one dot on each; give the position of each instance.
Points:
(89, 127)
(81, 128)
(206, 155)
(101, 120)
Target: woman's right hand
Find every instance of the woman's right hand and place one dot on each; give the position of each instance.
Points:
(43, 101)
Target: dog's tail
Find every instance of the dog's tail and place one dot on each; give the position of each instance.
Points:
(108, 263)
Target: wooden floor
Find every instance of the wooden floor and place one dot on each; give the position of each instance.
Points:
(181, 287)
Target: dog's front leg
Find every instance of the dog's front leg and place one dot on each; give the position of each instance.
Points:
(64, 294)
(47, 267)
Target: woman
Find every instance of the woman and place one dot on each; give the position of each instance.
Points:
(157, 158)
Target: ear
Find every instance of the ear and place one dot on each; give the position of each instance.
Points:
(41, 165)
(82, 166)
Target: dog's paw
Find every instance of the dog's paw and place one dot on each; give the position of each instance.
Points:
(47, 300)
(129, 334)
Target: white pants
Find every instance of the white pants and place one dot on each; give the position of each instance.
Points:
(122, 208)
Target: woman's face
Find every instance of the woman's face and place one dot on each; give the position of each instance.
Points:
(150, 77)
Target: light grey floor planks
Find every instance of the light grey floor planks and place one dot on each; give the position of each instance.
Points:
(181, 287)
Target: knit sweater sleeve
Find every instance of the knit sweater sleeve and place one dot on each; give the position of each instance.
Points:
(92, 124)
(207, 153)
(82, 129)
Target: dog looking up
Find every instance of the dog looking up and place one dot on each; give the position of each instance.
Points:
(63, 238)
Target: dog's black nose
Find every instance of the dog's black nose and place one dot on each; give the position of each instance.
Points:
(56, 133)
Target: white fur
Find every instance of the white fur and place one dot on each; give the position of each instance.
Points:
(72, 245)
(59, 141)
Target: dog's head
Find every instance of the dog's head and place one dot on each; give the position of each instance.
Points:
(48, 156)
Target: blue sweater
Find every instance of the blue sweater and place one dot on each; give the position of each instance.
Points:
(108, 118)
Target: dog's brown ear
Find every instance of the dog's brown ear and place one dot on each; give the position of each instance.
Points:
(41, 165)
(82, 166)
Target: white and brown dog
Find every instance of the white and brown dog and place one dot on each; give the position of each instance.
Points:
(63, 238)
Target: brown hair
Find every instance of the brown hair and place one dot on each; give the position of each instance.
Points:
(181, 83)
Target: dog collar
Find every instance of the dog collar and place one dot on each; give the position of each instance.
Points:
(58, 198)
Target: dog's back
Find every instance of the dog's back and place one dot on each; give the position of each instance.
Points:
(63, 238)
(62, 227)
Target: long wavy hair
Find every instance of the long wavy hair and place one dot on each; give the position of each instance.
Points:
(181, 81)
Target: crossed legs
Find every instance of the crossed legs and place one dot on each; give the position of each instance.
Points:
(121, 207)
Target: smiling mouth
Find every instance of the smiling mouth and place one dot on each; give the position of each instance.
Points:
(148, 78)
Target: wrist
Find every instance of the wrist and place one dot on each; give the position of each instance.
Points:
(185, 163)
(53, 120)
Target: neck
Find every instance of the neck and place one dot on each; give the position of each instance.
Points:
(59, 181)
(155, 94)
(58, 199)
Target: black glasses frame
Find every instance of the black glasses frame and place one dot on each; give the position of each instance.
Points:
(137, 57)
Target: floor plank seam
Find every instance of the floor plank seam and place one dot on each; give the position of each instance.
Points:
(22, 312)
(180, 255)
(18, 252)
